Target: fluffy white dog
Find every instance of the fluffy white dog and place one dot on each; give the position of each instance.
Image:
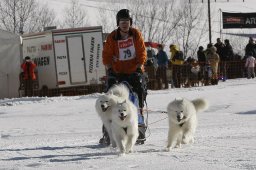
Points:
(106, 102)
(120, 90)
(125, 126)
(182, 115)
(104, 105)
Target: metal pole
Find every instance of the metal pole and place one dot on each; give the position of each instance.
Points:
(8, 86)
(220, 24)
(209, 19)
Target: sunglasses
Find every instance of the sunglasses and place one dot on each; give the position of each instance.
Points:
(122, 21)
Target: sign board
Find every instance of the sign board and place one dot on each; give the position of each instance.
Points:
(239, 20)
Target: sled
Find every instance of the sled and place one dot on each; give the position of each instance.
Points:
(141, 122)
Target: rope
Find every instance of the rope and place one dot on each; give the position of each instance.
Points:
(158, 120)
(147, 124)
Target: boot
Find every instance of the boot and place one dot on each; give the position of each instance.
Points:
(142, 137)
(105, 140)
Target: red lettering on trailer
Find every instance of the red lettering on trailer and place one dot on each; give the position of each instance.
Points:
(59, 41)
(46, 47)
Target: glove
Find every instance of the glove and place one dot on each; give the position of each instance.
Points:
(110, 72)
(139, 70)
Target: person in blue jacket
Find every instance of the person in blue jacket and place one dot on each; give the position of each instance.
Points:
(162, 61)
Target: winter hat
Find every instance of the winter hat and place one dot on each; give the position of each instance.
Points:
(226, 41)
(27, 58)
(201, 48)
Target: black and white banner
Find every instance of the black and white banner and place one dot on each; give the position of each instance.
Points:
(238, 20)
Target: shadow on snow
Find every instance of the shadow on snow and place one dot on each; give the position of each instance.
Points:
(247, 113)
(60, 157)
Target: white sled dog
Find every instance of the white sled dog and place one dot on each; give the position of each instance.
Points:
(125, 126)
(182, 115)
(106, 102)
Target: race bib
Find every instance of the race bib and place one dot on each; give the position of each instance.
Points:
(126, 49)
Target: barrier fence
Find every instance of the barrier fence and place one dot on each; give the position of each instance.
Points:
(182, 76)
(158, 78)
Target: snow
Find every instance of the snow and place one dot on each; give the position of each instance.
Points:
(63, 132)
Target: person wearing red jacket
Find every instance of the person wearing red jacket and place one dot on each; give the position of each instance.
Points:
(124, 55)
(29, 76)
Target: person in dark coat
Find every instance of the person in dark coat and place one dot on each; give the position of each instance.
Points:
(220, 48)
(250, 48)
(228, 51)
(220, 51)
(201, 55)
(228, 55)
(201, 61)
(29, 76)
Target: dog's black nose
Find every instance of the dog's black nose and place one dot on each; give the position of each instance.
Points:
(122, 114)
(178, 117)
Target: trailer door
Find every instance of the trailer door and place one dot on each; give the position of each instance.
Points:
(76, 60)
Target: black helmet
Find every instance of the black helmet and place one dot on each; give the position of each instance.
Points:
(123, 14)
(27, 58)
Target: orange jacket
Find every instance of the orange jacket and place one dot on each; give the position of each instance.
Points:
(29, 70)
(111, 52)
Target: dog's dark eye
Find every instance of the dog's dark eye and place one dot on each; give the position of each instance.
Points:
(181, 111)
(124, 110)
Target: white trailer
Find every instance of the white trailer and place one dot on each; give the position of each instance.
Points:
(66, 57)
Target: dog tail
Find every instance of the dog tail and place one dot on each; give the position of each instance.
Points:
(200, 104)
(119, 90)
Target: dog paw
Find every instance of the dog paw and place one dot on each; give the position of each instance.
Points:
(127, 152)
(178, 146)
(185, 140)
(130, 151)
(192, 140)
(168, 149)
(121, 154)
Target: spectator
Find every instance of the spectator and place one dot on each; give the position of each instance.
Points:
(223, 61)
(150, 57)
(201, 61)
(201, 55)
(228, 51)
(250, 65)
(213, 59)
(28, 67)
(176, 66)
(194, 69)
(250, 47)
(227, 57)
(162, 61)
(220, 48)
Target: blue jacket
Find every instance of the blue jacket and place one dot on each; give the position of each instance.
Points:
(162, 59)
